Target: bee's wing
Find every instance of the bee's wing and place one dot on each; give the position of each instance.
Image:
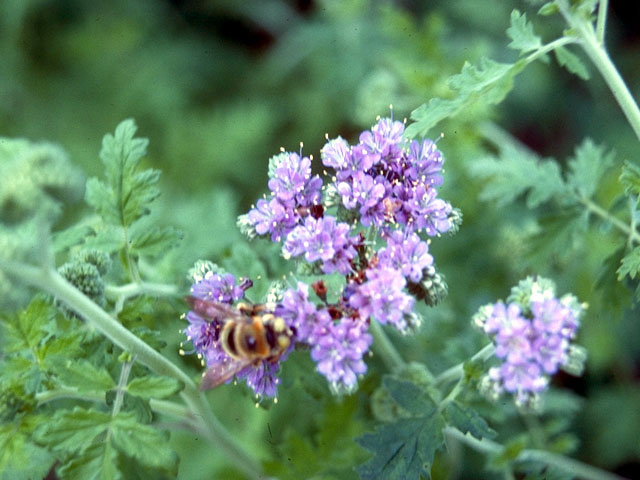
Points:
(212, 310)
(221, 373)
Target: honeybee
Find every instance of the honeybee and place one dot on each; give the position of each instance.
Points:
(248, 334)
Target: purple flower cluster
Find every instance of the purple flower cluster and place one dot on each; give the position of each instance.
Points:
(389, 184)
(532, 340)
(387, 189)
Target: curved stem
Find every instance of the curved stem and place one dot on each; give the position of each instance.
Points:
(134, 289)
(383, 346)
(457, 372)
(568, 465)
(602, 20)
(594, 48)
(51, 282)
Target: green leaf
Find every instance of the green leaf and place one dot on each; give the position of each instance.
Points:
(98, 462)
(516, 172)
(69, 237)
(72, 430)
(85, 376)
(402, 449)
(154, 240)
(19, 458)
(630, 264)
(630, 178)
(467, 420)
(27, 330)
(488, 84)
(549, 8)
(142, 442)
(127, 193)
(406, 447)
(154, 386)
(409, 396)
(108, 239)
(571, 62)
(521, 34)
(587, 168)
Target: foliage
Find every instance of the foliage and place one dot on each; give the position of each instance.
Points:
(540, 142)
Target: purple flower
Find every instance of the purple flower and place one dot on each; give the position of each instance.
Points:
(324, 240)
(425, 163)
(532, 340)
(384, 139)
(336, 154)
(382, 297)
(272, 217)
(427, 212)
(218, 288)
(338, 350)
(203, 334)
(406, 253)
(299, 313)
(262, 378)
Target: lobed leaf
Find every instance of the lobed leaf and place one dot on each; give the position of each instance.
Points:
(72, 430)
(467, 420)
(588, 167)
(406, 447)
(154, 240)
(144, 443)
(85, 376)
(521, 34)
(98, 462)
(630, 264)
(27, 330)
(488, 83)
(154, 386)
(517, 172)
(630, 179)
(127, 193)
(571, 62)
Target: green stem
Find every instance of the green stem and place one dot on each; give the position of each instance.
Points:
(596, 209)
(144, 288)
(594, 48)
(568, 465)
(51, 282)
(453, 394)
(122, 386)
(383, 347)
(163, 407)
(602, 20)
(457, 372)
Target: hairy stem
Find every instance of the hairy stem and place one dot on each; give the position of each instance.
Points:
(594, 48)
(383, 347)
(51, 282)
(457, 372)
(568, 465)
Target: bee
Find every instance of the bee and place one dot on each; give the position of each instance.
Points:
(248, 334)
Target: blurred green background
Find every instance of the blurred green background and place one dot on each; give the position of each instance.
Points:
(218, 86)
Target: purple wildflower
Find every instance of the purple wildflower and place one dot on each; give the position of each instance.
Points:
(262, 378)
(292, 182)
(323, 239)
(382, 297)
(532, 340)
(299, 313)
(426, 211)
(218, 288)
(406, 253)
(272, 217)
(338, 350)
(425, 163)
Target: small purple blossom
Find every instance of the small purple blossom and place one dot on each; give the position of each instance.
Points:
(406, 253)
(272, 217)
(532, 340)
(293, 183)
(323, 239)
(218, 288)
(382, 297)
(338, 352)
(301, 315)
(262, 378)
